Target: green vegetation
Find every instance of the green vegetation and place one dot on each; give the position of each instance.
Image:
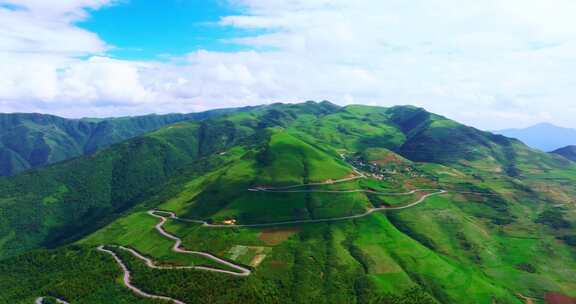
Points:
(504, 229)
(29, 141)
(51, 206)
(75, 274)
(554, 218)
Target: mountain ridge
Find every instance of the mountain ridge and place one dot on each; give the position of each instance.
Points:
(33, 140)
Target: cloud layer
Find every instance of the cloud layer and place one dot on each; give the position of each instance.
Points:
(492, 64)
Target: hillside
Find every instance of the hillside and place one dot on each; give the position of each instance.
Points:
(46, 207)
(569, 152)
(30, 141)
(296, 203)
(544, 136)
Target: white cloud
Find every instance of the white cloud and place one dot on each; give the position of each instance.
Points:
(493, 64)
(36, 26)
(40, 47)
(70, 10)
(112, 82)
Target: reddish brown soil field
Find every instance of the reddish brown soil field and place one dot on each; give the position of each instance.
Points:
(556, 298)
(276, 236)
(277, 264)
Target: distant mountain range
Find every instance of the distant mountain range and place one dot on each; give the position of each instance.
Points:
(544, 136)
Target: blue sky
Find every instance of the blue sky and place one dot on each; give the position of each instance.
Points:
(152, 29)
(492, 64)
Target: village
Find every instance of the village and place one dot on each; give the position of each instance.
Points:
(384, 171)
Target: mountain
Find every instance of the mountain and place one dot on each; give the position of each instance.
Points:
(544, 136)
(30, 141)
(295, 203)
(569, 152)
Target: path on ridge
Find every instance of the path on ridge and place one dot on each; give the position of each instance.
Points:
(308, 221)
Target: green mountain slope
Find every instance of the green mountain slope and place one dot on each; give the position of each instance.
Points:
(422, 136)
(30, 141)
(437, 139)
(322, 203)
(567, 152)
(46, 207)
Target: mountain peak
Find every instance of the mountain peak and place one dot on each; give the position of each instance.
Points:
(546, 125)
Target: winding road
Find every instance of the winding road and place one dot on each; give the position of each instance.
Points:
(172, 215)
(273, 190)
(128, 283)
(242, 271)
